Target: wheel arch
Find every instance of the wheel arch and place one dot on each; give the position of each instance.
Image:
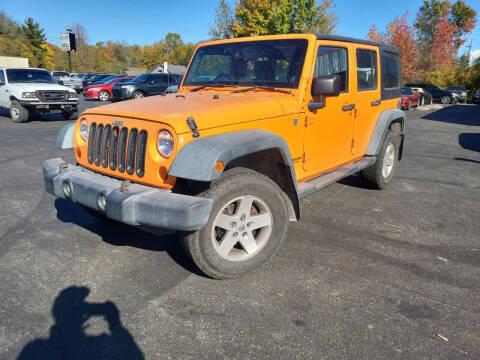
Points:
(391, 119)
(259, 150)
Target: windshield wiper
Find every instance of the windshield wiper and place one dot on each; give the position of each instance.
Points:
(212, 84)
(262, 87)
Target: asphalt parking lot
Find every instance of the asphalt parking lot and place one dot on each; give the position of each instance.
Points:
(364, 275)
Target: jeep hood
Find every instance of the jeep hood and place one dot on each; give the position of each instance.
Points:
(209, 109)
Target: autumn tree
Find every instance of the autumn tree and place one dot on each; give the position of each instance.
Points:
(263, 17)
(459, 15)
(442, 47)
(223, 23)
(401, 35)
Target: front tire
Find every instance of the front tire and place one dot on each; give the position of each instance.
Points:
(422, 102)
(68, 115)
(18, 113)
(409, 106)
(103, 95)
(248, 222)
(380, 174)
(138, 95)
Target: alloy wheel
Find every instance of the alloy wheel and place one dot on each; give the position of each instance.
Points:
(242, 228)
(388, 160)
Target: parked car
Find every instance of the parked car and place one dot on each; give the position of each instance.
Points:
(226, 161)
(74, 82)
(59, 76)
(93, 79)
(103, 90)
(144, 85)
(425, 96)
(410, 98)
(460, 91)
(476, 97)
(26, 91)
(438, 94)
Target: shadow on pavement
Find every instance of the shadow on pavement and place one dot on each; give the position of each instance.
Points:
(70, 338)
(118, 234)
(456, 114)
(470, 141)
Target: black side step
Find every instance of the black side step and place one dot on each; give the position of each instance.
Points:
(306, 188)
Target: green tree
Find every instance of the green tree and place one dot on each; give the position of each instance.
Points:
(222, 29)
(463, 17)
(34, 33)
(263, 17)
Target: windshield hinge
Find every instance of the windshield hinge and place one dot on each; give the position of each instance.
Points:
(193, 127)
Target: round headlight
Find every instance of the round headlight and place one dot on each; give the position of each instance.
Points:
(165, 143)
(84, 129)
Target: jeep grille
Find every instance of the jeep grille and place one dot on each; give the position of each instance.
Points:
(117, 148)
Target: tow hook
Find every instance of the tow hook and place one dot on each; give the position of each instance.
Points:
(124, 185)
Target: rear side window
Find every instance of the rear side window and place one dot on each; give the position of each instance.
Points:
(2, 77)
(367, 78)
(332, 61)
(390, 70)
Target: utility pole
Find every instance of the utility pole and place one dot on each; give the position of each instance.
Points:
(69, 30)
(469, 52)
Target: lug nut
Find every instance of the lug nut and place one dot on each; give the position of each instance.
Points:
(244, 234)
(233, 224)
(243, 217)
(235, 234)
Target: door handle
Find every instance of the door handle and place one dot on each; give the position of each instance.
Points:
(348, 107)
(376, 102)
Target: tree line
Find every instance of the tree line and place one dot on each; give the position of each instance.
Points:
(429, 48)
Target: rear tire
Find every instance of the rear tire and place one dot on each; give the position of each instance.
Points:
(379, 175)
(446, 99)
(18, 113)
(248, 222)
(409, 106)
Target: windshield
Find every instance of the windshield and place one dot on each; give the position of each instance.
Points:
(142, 78)
(125, 80)
(29, 76)
(407, 91)
(277, 63)
(106, 79)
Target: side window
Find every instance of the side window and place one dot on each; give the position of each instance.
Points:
(390, 70)
(367, 78)
(2, 77)
(332, 61)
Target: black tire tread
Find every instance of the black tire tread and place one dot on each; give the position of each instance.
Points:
(189, 240)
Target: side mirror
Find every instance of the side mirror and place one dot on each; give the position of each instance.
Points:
(328, 85)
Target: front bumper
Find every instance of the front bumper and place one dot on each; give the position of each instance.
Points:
(91, 94)
(121, 94)
(137, 205)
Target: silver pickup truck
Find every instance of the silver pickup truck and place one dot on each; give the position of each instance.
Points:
(70, 80)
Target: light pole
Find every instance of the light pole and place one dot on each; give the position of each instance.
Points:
(69, 30)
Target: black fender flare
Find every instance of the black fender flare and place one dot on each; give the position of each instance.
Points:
(384, 121)
(196, 160)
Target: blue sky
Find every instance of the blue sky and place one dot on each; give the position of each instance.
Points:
(145, 21)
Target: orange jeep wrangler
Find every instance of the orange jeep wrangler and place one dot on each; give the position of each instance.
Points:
(257, 124)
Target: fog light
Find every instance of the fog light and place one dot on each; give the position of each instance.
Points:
(67, 190)
(101, 202)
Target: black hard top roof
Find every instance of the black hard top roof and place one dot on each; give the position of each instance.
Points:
(383, 47)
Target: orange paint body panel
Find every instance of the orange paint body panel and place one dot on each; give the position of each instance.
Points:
(318, 140)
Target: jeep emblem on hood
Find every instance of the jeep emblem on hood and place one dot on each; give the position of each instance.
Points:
(118, 122)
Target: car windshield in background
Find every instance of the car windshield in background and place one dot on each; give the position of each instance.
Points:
(407, 91)
(29, 76)
(124, 80)
(60, 73)
(457, 88)
(142, 78)
(107, 81)
(277, 63)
